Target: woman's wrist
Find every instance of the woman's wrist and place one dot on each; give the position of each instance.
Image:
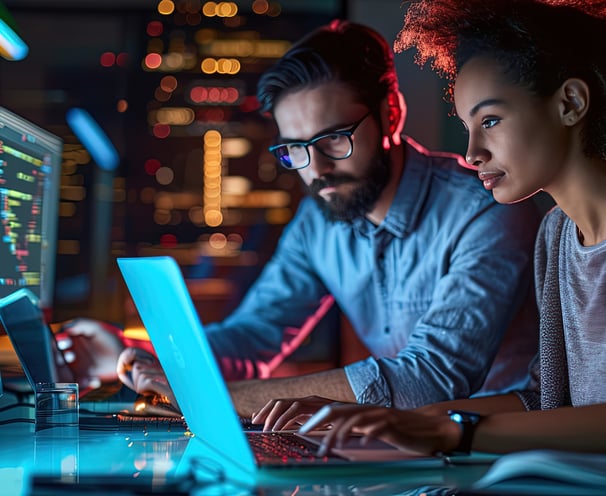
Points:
(451, 434)
(467, 422)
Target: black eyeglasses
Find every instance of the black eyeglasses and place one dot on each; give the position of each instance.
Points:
(337, 145)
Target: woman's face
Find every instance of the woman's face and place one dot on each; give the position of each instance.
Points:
(516, 139)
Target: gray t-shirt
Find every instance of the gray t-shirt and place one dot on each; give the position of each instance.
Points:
(570, 367)
(583, 290)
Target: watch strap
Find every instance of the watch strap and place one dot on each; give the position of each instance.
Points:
(468, 421)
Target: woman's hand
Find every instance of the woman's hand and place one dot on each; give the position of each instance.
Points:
(409, 431)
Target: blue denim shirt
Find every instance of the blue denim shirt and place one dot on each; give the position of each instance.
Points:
(430, 291)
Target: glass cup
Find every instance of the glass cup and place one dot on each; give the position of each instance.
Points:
(57, 408)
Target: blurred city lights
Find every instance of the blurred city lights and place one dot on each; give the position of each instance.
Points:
(153, 60)
(219, 9)
(151, 166)
(166, 7)
(212, 178)
(155, 28)
(107, 59)
(165, 176)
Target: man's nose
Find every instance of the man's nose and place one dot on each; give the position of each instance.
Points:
(319, 163)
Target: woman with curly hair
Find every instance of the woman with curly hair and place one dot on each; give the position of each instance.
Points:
(528, 81)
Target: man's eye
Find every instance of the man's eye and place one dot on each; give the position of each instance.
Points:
(490, 122)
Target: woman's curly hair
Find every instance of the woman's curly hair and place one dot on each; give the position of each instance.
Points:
(537, 43)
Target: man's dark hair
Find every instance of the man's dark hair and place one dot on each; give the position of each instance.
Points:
(341, 51)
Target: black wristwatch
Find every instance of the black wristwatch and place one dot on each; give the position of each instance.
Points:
(468, 422)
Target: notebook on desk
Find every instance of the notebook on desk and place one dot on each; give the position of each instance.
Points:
(43, 361)
(160, 295)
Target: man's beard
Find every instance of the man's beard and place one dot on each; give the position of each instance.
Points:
(359, 201)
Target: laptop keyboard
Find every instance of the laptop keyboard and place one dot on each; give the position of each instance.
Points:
(247, 424)
(153, 423)
(283, 447)
(161, 423)
(133, 422)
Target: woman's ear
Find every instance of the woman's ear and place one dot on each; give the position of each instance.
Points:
(574, 101)
(393, 115)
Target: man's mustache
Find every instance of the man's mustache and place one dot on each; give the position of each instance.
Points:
(329, 181)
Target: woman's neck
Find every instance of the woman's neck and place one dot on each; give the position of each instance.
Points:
(582, 196)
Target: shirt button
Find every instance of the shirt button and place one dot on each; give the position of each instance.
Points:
(386, 330)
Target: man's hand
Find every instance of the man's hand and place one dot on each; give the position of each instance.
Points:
(251, 395)
(91, 349)
(140, 370)
(289, 413)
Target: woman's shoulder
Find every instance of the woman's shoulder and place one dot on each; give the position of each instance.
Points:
(555, 226)
(554, 220)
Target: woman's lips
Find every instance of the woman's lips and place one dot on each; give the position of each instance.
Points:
(490, 179)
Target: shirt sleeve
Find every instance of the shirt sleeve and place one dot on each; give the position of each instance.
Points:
(278, 312)
(531, 397)
(485, 280)
(549, 387)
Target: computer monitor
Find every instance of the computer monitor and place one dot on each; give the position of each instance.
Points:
(30, 172)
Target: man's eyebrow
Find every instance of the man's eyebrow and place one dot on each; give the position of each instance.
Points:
(327, 130)
(485, 103)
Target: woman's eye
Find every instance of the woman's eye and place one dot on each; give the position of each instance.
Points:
(490, 122)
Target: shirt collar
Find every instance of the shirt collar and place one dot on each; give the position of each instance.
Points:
(409, 199)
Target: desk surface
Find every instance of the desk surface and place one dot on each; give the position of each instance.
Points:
(153, 459)
(157, 460)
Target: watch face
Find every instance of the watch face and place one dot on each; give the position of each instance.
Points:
(460, 417)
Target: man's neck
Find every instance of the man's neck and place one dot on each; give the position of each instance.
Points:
(396, 160)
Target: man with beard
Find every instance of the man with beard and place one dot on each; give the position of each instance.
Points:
(427, 267)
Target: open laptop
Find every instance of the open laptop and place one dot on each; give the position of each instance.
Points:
(160, 294)
(32, 340)
(42, 361)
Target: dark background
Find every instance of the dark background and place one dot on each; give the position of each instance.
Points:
(127, 212)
